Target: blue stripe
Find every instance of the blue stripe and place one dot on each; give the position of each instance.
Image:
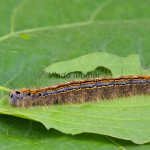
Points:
(88, 85)
(139, 81)
(104, 83)
(94, 84)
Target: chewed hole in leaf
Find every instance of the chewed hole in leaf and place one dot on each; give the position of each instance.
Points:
(105, 63)
(97, 72)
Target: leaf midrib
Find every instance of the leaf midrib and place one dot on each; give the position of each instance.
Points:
(90, 21)
(72, 25)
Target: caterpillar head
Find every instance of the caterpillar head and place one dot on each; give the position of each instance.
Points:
(15, 96)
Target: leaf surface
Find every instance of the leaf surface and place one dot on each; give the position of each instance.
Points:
(35, 34)
(126, 118)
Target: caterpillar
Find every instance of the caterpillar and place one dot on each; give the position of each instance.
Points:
(82, 91)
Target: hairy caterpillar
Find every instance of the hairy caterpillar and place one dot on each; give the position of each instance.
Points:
(82, 90)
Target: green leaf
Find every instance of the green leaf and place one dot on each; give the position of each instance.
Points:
(126, 118)
(128, 65)
(53, 37)
(35, 34)
(17, 133)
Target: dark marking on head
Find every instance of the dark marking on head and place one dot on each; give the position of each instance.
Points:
(17, 92)
(15, 95)
(11, 95)
(29, 94)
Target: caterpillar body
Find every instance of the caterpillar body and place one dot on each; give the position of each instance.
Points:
(82, 90)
